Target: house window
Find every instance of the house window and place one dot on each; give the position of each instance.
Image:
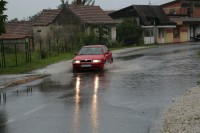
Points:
(148, 32)
(176, 33)
(172, 11)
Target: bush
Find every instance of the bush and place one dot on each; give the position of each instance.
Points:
(115, 45)
(199, 53)
(43, 54)
(129, 32)
(98, 35)
(90, 39)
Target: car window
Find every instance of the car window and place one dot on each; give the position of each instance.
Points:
(91, 51)
(105, 49)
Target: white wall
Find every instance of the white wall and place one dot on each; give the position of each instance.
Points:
(113, 34)
(149, 40)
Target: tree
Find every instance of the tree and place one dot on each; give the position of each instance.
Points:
(63, 4)
(102, 34)
(14, 20)
(3, 17)
(83, 2)
(128, 32)
(34, 17)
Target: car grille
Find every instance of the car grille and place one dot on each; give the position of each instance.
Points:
(86, 61)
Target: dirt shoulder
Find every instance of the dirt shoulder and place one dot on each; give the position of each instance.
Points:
(183, 116)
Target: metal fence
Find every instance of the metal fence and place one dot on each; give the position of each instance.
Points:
(22, 51)
(12, 52)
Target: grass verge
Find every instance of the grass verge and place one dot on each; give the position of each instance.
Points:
(35, 64)
(40, 63)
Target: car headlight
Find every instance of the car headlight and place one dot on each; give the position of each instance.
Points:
(96, 61)
(76, 61)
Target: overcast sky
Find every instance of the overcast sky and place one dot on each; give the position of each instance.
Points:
(24, 8)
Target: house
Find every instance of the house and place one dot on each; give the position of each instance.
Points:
(19, 33)
(92, 16)
(63, 24)
(156, 25)
(186, 14)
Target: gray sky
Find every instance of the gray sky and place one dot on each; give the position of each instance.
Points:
(24, 8)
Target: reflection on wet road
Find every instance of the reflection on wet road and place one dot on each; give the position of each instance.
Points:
(80, 85)
(94, 107)
(76, 119)
(128, 96)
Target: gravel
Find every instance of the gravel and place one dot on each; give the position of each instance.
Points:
(183, 116)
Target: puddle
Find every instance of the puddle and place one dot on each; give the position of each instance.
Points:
(131, 57)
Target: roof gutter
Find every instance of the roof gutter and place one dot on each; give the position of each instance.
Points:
(161, 26)
(167, 26)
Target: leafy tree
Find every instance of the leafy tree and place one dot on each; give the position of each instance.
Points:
(83, 2)
(128, 32)
(102, 34)
(97, 35)
(3, 17)
(63, 4)
(14, 20)
(34, 17)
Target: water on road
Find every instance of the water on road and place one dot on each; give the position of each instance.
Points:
(128, 97)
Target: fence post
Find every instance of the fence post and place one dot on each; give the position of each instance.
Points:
(57, 46)
(15, 53)
(65, 45)
(40, 48)
(26, 50)
(49, 48)
(0, 54)
(3, 55)
(29, 42)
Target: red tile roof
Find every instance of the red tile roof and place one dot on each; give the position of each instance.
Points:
(92, 14)
(47, 17)
(17, 30)
(88, 14)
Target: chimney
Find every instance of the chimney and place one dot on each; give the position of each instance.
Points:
(78, 2)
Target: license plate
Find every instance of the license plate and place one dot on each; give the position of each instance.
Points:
(85, 65)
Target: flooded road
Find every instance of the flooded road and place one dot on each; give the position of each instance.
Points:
(128, 97)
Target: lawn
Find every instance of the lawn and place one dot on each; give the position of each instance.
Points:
(35, 63)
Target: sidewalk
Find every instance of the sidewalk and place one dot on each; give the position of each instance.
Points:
(11, 80)
(60, 67)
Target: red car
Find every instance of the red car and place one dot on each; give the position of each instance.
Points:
(92, 57)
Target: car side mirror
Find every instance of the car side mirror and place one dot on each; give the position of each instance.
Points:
(107, 52)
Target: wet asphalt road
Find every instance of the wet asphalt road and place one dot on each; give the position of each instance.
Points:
(128, 97)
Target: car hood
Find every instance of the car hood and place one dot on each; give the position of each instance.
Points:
(88, 57)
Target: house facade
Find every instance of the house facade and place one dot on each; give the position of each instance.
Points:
(156, 25)
(54, 25)
(64, 24)
(93, 16)
(186, 15)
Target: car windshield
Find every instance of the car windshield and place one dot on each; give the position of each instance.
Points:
(91, 51)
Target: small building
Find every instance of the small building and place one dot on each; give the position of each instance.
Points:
(70, 21)
(19, 32)
(17, 39)
(156, 25)
(186, 15)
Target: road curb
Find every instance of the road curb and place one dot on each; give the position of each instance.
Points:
(25, 80)
(121, 51)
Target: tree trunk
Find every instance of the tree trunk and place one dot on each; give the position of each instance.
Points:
(78, 2)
